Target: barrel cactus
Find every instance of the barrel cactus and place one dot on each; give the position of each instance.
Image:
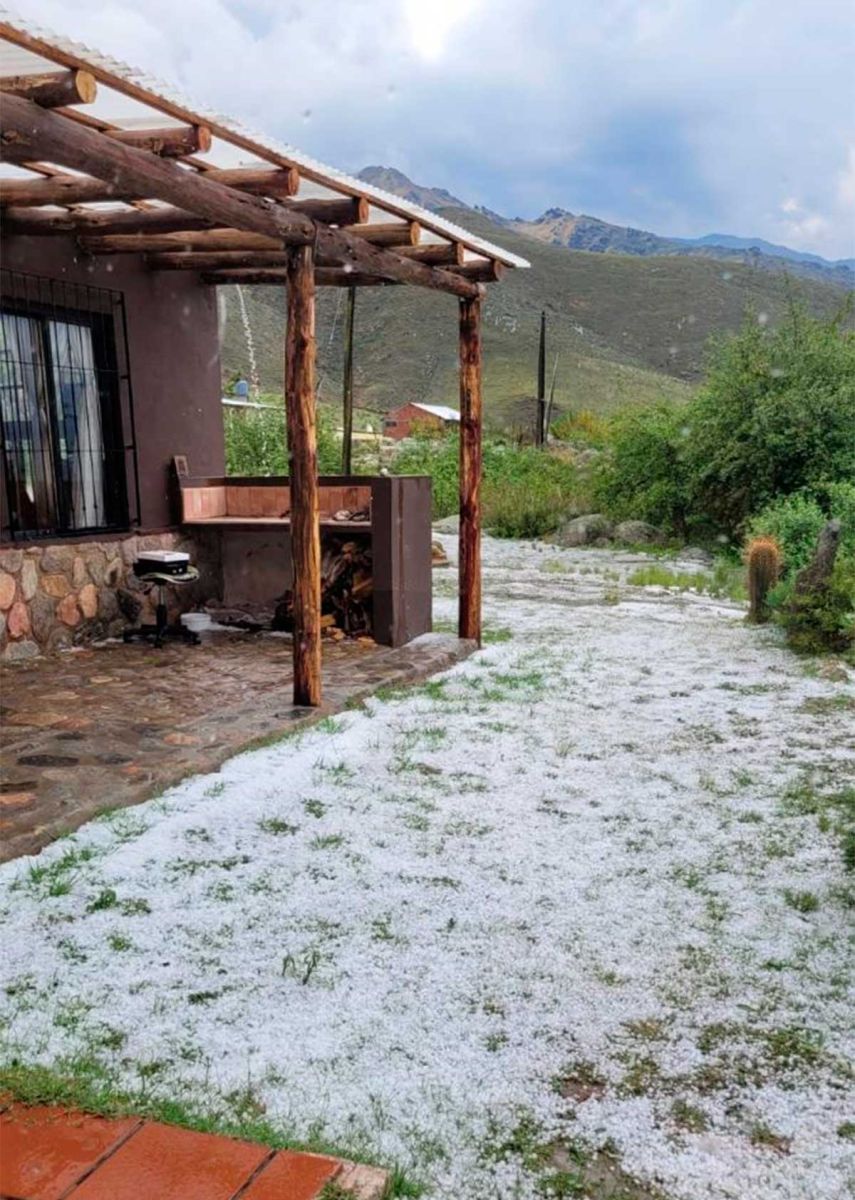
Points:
(763, 557)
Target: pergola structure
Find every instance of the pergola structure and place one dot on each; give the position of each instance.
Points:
(98, 151)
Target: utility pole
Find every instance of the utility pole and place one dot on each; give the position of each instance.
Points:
(540, 432)
(347, 407)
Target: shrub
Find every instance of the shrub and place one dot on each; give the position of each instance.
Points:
(774, 417)
(526, 492)
(821, 620)
(256, 442)
(584, 427)
(795, 522)
(643, 475)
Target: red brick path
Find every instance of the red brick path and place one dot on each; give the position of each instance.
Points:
(53, 1154)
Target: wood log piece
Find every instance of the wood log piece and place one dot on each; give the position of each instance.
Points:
(469, 555)
(52, 89)
(449, 254)
(212, 241)
(174, 141)
(275, 277)
(279, 183)
(303, 473)
(396, 233)
(33, 222)
(347, 211)
(488, 270)
(216, 260)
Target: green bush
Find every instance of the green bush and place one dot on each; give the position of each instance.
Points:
(643, 476)
(256, 442)
(775, 416)
(819, 621)
(526, 492)
(795, 522)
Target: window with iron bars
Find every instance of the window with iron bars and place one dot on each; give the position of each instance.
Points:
(66, 411)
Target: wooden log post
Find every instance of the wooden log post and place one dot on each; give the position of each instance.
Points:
(469, 621)
(303, 472)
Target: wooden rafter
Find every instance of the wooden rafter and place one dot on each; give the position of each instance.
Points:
(52, 89)
(277, 277)
(33, 133)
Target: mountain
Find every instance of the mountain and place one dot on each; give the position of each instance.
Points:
(581, 232)
(625, 328)
(397, 182)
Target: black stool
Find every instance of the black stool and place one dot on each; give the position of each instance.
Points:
(162, 630)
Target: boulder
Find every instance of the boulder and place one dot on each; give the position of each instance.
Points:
(18, 621)
(55, 585)
(67, 610)
(696, 554)
(42, 616)
(639, 533)
(7, 590)
(584, 531)
(20, 651)
(448, 524)
(815, 576)
(88, 600)
(11, 560)
(29, 579)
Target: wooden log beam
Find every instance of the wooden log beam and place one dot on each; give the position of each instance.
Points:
(303, 475)
(33, 222)
(211, 241)
(276, 277)
(489, 270)
(175, 141)
(279, 184)
(37, 134)
(449, 254)
(77, 189)
(37, 223)
(469, 554)
(217, 260)
(396, 233)
(52, 89)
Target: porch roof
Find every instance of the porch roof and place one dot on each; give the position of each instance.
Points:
(129, 101)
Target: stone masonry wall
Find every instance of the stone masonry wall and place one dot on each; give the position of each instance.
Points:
(59, 595)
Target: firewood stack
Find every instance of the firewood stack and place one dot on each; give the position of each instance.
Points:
(347, 585)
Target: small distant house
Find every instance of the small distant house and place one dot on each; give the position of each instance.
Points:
(410, 418)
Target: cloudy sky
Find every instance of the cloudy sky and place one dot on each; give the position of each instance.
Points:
(680, 116)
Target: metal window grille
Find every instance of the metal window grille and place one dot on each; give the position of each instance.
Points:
(66, 409)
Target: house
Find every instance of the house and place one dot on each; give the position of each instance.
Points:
(411, 418)
(124, 207)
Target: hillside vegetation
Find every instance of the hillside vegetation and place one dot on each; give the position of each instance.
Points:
(625, 329)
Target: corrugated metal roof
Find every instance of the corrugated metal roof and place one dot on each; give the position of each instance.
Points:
(28, 47)
(439, 410)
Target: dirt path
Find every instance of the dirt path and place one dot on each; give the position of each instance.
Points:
(586, 890)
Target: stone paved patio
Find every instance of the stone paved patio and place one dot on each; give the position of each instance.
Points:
(112, 725)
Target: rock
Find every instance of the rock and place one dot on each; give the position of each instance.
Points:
(57, 559)
(88, 600)
(583, 531)
(20, 651)
(78, 573)
(639, 533)
(29, 579)
(55, 585)
(814, 577)
(129, 604)
(448, 524)
(7, 590)
(42, 616)
(96, 565)
(129, 550)
(108, 605)
(438, 556)
(696, 554)
(114, 573)
(60, 638)
(2, 624)
(67, 610)
(18, 621)
(11, 561)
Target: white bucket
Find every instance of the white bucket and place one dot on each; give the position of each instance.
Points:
(197, 622)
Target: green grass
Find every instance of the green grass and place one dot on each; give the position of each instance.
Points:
(724, 581)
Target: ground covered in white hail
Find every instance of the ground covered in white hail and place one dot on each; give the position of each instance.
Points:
(584, 889)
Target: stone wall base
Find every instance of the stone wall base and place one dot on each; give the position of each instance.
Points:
(58, 595)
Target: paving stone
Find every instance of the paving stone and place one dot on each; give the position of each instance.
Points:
(173, 1164)
(292, 1175)
(47, 1150)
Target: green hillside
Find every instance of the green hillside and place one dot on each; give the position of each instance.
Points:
(625, 329)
